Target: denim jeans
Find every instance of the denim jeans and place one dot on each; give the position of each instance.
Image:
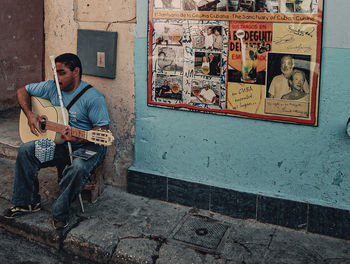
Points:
(74, 176)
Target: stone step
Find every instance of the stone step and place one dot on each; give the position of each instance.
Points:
(36, 226)
(9, 133)
(8, 151)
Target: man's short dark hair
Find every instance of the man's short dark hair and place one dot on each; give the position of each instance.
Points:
(70, 60)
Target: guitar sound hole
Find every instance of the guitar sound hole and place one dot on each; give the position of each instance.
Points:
(43, 124)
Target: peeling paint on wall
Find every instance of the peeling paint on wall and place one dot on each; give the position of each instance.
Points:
(338, 179)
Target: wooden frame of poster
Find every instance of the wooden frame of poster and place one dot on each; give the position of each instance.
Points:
(247, 58)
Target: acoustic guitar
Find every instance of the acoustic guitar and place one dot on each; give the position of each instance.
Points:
(53, 126)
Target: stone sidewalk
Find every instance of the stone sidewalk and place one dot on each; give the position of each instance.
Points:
(124, 228)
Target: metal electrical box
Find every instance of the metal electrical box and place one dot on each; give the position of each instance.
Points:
(97, 51)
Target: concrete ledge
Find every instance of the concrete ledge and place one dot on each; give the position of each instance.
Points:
(120, 220)
(36, 226)
(9, 131)
(7, 151)
(125, 228)
(292, 214)
(86, 249)
(139, 250)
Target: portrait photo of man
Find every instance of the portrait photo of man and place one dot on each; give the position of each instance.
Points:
(298, 6)
(279, 78)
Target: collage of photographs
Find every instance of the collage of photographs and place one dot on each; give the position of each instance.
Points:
(197, 56)
(260, 69)
(205, 43)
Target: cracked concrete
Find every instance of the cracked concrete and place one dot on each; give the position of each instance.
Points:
(125, 228)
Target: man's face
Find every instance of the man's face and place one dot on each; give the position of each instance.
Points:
(209, 31)
(298, 81)
(66, 77)
(287, 67)
(163, 61)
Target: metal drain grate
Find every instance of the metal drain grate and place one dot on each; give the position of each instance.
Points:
(201, 231)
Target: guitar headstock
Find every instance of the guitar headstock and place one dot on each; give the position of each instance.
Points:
(101, 137)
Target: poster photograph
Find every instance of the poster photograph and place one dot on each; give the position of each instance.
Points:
(203, 5)
(168, 34)
(243, 58)
(207, 37)
(169, 87)
(207, 63)
(205, 92)
(169, 59)
(167, 4)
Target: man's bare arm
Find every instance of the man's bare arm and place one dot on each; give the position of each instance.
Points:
(24, 102)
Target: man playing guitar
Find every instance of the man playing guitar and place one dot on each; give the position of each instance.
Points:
(87, 113)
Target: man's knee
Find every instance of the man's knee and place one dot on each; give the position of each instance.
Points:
(26, 149)
(78, 166)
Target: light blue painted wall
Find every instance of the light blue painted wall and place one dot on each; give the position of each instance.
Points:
(296, 162)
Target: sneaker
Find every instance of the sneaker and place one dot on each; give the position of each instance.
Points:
(59, 225)
(15, 211)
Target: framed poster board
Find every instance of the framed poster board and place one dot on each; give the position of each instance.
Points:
(248, 58)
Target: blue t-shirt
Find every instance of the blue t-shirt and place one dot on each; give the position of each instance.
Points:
(88, 111)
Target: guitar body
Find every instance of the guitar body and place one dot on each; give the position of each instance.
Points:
(45, 109)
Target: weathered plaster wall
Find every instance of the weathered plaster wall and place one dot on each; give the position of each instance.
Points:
(62, 20)
(301, 163)
(21, 52)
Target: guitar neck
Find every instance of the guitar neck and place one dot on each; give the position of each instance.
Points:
(79, 133)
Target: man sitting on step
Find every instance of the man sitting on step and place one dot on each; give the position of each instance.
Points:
(89, 112)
